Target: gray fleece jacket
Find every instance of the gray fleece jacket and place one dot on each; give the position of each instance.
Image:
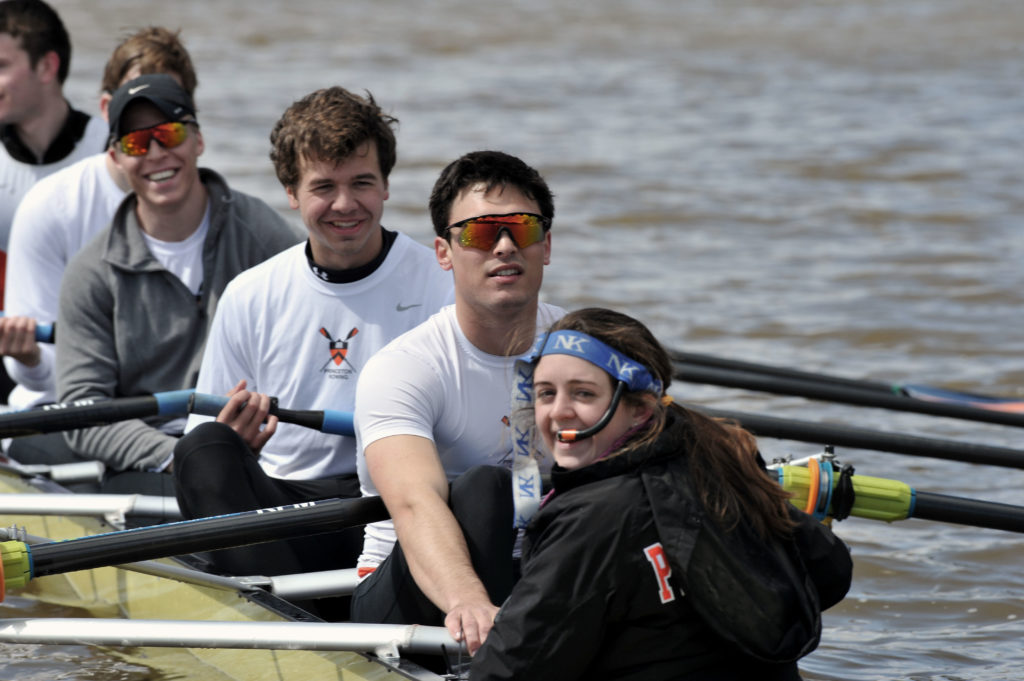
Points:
(128, 327)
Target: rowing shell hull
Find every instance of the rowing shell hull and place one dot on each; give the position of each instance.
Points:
(112, 592)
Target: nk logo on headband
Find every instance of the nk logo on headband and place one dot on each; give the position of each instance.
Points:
(621, 367)
(571, 343)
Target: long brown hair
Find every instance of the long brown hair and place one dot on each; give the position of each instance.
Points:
(723, 464)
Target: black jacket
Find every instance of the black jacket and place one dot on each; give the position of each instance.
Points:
(590, 600)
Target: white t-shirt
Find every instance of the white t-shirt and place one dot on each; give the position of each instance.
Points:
(57, 217)
(16, 178)
(293, 336)
(441, 387)
(183, 259)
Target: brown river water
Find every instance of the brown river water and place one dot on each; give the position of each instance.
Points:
(825, 185)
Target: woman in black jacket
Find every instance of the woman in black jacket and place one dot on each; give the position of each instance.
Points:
(597, 598)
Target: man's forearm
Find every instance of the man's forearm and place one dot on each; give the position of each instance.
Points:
(437, 554)
(128, 445)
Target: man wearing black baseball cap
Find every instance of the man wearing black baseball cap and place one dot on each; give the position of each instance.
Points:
(136, 303)
(160, 90)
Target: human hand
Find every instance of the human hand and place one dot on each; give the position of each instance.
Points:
(248, 414)
(470, 623)
(18, 340)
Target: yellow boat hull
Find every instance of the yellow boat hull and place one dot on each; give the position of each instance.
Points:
(113, 592)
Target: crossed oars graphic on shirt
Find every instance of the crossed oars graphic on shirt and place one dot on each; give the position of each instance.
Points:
(339, 348)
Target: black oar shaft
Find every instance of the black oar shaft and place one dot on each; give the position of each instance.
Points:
(90, 411)
(860, 438)
(58, 417)
(831, 392)
(781, 372)
(947, 509)
(204, 534)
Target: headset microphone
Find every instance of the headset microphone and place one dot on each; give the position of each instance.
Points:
(577, 435)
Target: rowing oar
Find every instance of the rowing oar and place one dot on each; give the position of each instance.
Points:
(383, 639)
(911, 398)
(296, 586)
(862, 438)
(97, 412)
(21, 562)
(815, 491)
(89, 412)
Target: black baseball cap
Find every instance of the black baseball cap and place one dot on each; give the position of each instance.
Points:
(159, 89)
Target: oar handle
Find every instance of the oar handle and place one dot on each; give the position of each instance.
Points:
(45, 333)
(325, 421)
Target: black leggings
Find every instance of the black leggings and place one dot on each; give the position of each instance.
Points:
(481, 501)
(216, 473)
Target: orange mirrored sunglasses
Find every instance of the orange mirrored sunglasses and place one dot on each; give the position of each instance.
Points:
(483, 231)
(169, 135)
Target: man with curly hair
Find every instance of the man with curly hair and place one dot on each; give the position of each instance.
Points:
(301, 327)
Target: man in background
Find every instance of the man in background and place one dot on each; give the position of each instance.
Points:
(39, 131)
(136, 303)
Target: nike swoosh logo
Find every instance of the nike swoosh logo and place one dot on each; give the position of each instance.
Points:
(137, 88)
(403, 308)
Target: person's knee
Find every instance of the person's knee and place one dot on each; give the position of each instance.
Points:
(207, 440)
(209, 456)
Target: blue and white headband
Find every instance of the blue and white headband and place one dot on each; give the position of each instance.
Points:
(578, 344)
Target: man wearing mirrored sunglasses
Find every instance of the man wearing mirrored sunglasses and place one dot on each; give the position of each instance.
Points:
(433, 406)
(137, 301)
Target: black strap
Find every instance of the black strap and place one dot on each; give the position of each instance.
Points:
(843, 497)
